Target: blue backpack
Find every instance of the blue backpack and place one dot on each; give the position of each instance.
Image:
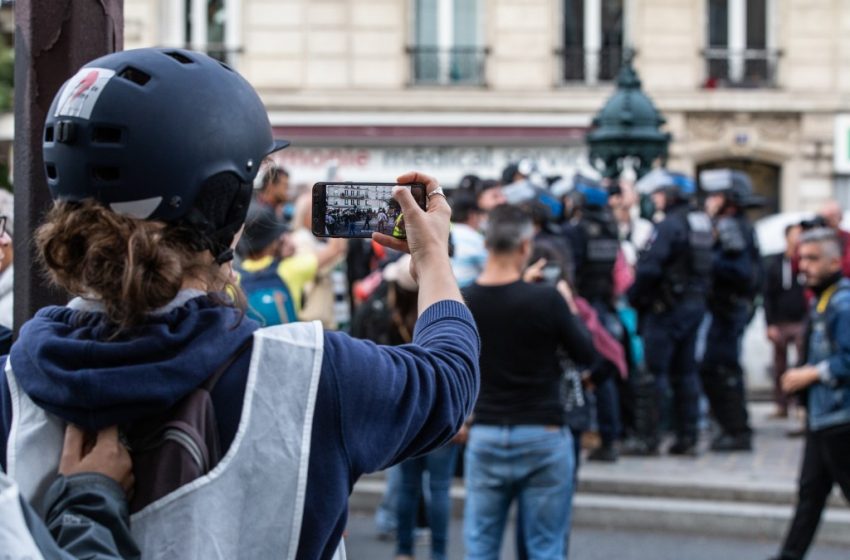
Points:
(269, 299)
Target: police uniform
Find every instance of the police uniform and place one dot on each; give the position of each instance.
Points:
(736, 279)
(669, 291)
(595, 246)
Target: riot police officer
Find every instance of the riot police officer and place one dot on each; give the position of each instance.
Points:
(595, 243)
(736, 280)
(669, 292)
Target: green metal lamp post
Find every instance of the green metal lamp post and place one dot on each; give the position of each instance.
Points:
(627, 126)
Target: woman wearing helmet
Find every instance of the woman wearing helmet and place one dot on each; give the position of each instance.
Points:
(150, 156)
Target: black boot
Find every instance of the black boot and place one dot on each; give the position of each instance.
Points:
(644, 440)
(605, 453)
(733, 442)
(685, 446)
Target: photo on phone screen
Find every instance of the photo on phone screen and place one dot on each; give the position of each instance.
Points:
(360, 209)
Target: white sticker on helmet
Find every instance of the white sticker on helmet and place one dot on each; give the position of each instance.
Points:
(81, 92)
(140, 209)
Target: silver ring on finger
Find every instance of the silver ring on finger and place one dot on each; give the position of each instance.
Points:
(437, 192)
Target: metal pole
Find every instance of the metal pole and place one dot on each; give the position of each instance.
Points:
(52, 41)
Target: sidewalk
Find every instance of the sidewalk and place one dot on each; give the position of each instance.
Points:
(737, 494)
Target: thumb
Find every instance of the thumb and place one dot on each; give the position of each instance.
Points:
(108, 435)
(405, 199)
(72, 450)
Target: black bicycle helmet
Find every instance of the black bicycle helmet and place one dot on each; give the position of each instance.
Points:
(160, 134)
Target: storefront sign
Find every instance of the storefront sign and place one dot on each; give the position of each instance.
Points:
(448, 164)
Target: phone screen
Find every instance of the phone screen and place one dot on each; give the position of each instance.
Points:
(360, 209)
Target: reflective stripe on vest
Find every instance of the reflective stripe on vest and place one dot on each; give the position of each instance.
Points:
(251, 504)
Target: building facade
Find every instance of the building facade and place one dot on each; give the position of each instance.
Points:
(366, 89)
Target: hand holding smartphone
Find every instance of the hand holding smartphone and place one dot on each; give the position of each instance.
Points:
(352, 210)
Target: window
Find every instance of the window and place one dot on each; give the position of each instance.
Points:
(210, 26)
(447, 46)
(593, 40)
(740, 50)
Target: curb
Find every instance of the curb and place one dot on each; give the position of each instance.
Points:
(759, 512)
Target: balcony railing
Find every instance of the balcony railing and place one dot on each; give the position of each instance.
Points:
(588, 66)
(456, 66)
(749, 68)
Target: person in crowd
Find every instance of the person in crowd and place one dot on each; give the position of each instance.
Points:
(271, 275)
(85, 507)
(468, 251)
(7, 265)
(635, 231)
(305, 412)
(596, 247)
(272, 187)
(832, 215)
(489, 195)
(320, 291)
(785, 310)
(822, 384)
(518, 446)
(737, 278)
(669, 292)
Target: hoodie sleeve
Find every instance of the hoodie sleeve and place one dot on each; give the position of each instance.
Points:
(401, 401)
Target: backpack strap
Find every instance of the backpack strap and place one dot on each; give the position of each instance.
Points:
(210, 383)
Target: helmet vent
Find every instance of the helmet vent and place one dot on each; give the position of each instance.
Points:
(226, 67)
(51, 171)
(135, 75)
(180, 57)
(106, 135)
(48, 134)
(106, 174)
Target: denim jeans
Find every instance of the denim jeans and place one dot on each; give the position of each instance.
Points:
(440, 465)
(386, 516)
(532, 464)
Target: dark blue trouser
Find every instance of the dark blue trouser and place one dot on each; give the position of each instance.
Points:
(607, 395)
(670, 341)
(721, 373)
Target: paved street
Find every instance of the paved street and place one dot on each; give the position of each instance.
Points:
(653, 507)
(599, 544)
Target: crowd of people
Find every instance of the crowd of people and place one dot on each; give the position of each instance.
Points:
(549, 309)
(603, 306)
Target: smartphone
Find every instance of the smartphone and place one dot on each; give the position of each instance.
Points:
(360, 209)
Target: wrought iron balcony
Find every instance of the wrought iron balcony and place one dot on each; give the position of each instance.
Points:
(588, 66)
(456, 66)
(749, 68)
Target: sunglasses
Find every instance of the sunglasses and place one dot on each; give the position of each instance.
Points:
(3, 220)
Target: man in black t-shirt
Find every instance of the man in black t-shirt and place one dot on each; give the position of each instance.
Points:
(518, 445)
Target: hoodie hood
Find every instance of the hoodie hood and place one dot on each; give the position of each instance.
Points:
(66, 363)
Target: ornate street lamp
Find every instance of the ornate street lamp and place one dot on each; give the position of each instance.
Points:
(628, 126)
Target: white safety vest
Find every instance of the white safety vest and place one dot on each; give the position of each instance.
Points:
(251, 504)
(15, 538)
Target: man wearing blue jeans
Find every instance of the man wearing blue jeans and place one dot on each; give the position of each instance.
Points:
(519, 448)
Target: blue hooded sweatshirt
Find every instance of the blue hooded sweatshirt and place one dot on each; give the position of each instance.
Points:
(376, 405)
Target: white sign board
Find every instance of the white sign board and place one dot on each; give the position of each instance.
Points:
(447, 164)
(841, 145)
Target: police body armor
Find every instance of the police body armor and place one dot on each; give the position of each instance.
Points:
(596, 276)
(687, 275)
(735, 235)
